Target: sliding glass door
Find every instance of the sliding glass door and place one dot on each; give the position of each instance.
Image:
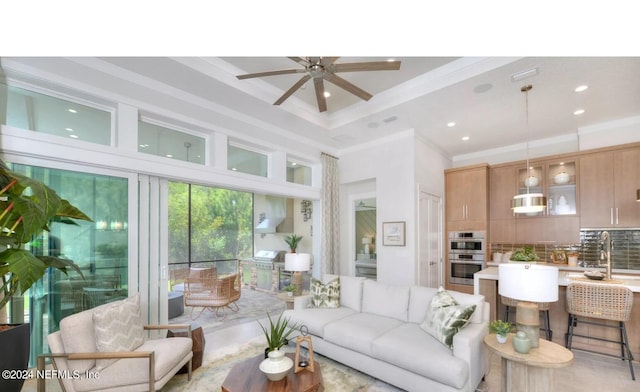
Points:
(99, 248)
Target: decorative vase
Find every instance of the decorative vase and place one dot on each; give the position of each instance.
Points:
(276, 366)
(561, 178)
(521, 343)
(531, 181)
(501, 338)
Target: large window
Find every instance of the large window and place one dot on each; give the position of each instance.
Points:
(99, 248)
(41, 113)
(209, 224)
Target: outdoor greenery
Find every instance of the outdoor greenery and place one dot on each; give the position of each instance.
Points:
(221, 223)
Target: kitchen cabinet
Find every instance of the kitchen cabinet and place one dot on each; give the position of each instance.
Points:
(467, 199)
(502, 186)
(608, 184)
(557, 180)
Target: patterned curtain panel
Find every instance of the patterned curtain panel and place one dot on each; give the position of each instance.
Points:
(330, 216)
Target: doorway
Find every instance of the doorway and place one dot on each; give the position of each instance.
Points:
(430, 240)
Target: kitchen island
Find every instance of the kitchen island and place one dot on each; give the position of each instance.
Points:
(486, 283)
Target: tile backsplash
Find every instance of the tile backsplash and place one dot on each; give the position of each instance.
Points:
(625, 253)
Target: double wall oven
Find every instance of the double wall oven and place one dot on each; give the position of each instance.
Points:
(466, 255)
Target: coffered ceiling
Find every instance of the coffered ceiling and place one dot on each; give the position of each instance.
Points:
(478, 94)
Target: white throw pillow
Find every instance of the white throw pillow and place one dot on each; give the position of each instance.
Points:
(445, 317)
(117, 328)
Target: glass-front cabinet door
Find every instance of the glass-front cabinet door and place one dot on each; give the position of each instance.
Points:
(561, 196)
(531, 180)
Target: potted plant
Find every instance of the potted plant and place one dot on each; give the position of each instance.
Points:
(27, 207)
(277, 333)
(293, 240)
(289, 289)
(501, 329)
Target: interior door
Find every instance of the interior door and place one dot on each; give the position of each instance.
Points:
(430, 240)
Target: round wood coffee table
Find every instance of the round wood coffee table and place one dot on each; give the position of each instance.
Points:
(246, 376)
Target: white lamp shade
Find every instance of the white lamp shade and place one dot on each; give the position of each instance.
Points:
(297, 261)
(528, 282)
(366, 240)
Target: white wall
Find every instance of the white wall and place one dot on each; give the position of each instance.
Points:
(393, 164)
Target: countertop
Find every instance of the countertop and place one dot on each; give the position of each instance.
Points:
(630, 279)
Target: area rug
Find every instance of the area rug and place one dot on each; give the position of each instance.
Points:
(217, 364)
(253, 305)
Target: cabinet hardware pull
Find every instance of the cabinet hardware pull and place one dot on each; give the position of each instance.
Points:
(611, 219)
(617, 216)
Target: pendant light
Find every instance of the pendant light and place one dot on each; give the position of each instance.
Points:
(528, 203)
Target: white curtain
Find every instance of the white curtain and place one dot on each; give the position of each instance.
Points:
(330, 216)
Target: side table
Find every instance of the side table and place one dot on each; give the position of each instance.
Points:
(287, 299)
(531, 372)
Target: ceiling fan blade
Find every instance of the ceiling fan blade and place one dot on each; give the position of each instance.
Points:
(322, 101)
(293, 89)
(350, 87)
(271, 73)
(300, 60)
(328, 60)
(370, 66)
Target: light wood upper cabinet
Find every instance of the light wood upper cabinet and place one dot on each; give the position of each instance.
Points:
(502, 186)
(466, 191)
(608, 184)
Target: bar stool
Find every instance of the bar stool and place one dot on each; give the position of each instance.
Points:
(605, 302)
(543, 307)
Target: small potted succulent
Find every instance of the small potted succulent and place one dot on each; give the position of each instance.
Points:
(501, 329)
(289, 290)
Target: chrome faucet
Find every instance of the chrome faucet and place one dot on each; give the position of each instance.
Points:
(607, 244)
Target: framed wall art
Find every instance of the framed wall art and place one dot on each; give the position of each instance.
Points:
(393, 233)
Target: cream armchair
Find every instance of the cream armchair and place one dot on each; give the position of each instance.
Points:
(106, 349)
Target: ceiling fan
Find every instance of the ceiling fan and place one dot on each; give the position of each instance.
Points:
(324, 68)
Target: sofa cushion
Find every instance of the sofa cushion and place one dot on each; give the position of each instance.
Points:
(351, 292)
(408, 347)
(385, 299)
(421, 299)
(445, 317)
(315, 319)
(118, 327)
(358, 331)
(325, 295)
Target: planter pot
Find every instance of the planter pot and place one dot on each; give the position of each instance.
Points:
(16, 341)
(501, 338)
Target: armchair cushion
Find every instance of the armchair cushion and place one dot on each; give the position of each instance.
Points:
(118, 327)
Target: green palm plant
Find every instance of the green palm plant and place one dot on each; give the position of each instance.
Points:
(278, 332)
(27, 208)
(293, 240)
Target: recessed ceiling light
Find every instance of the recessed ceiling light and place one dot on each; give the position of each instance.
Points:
(74, 136)
(465, 138)
(391, 60)
(581, 88)
(293, 163)
(451, 124)
(72, 111)
(327, 94)
(578, 112)
(69, 129)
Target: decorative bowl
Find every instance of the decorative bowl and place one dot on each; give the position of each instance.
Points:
(531, 181)
(561, 178)
(594, 275)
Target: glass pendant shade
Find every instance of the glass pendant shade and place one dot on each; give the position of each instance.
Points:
(528, 203)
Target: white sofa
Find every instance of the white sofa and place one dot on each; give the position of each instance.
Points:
(376, 330)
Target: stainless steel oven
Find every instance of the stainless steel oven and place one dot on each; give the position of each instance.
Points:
(466, 255)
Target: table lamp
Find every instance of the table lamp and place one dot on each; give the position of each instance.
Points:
(297, 263)
(528, 284)
(366, 241)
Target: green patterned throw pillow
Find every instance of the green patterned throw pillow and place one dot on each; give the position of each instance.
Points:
(445, 317)
(325, 295)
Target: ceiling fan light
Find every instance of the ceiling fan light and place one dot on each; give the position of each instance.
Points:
(528, 203)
